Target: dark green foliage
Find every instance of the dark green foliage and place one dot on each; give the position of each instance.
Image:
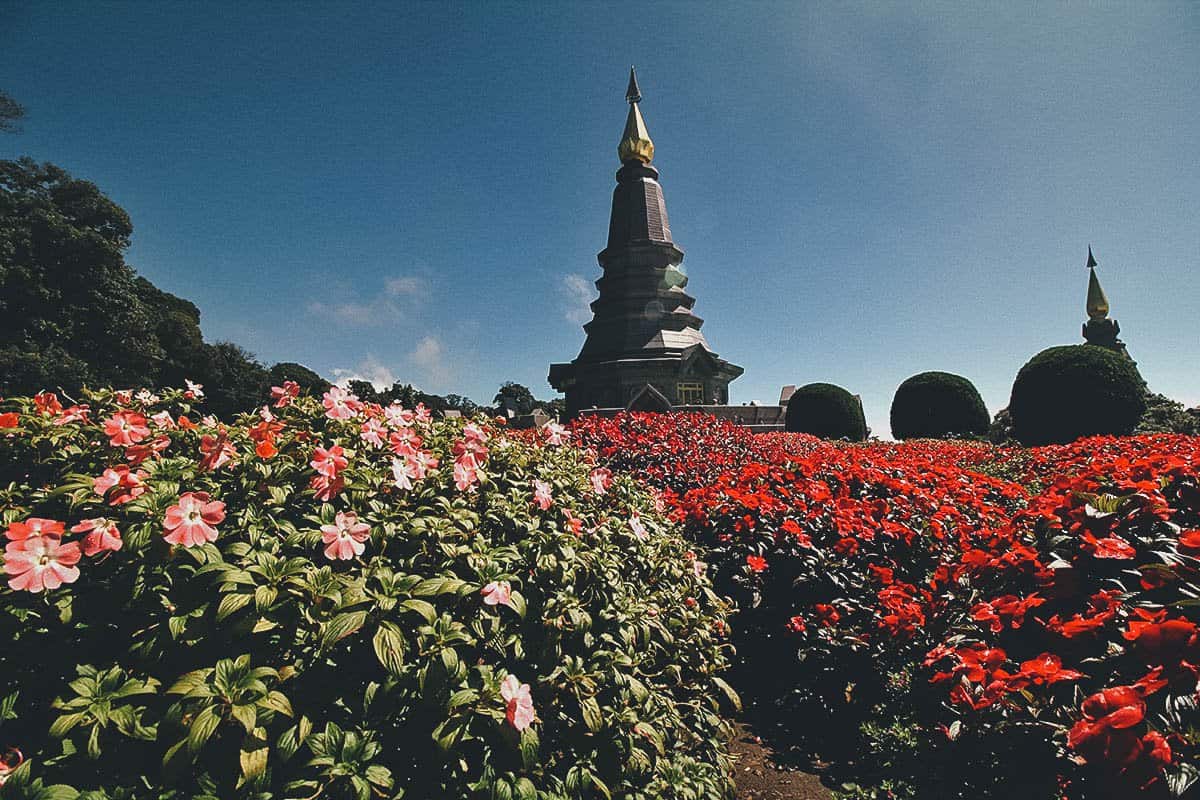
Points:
(1000, 431)
(828, 411)
(1164, 415)
(74, 314)
(516, 397)
(1067, 392)
(938, 405)
(10, 112)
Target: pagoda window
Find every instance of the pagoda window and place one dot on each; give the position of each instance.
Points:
(689, 393)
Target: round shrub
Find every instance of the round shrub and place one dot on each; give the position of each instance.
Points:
(825, 410)
(937, 405)
(342, 601)
(1067, 392)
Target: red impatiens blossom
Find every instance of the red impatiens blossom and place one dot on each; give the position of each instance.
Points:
(1104, 732)
(102, 535)
(326, 488)
(341, 404)
(519, 702)
(1045, 670)
(191, 521)
(283, 395)
(125, 428)
(329, 462)
(497, 593)
(47, 404)
(541, 495)
(34, 527)
(119, 484)
(1109, 547)
(827, 615)
(9, 419)
(756, 563)
(345, 538)
(264, 434)
(1189, 542)
(216, 451)
(40, 563)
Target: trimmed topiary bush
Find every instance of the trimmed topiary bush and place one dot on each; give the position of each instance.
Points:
(937, 405)
(339, 600)
(825, 410)
(1067, 392)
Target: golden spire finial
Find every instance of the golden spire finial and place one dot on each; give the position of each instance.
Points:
(1097, 301)
(635, 141)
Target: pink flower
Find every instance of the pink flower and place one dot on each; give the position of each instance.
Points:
(541, 495)
(398, 416)
(497, 593)
(344, 539)
(556, 434)
(73, 414)
(40, 562)
(282, 395)
(326, 488)
(465, 472)
(329, 462)
(163, 420)
(639, 530)
(125, 428)
(341, 404)
(574, 523)
(35, 526)
(421, 413)
(195, 391)
(102, 535)
(126, 483)
(190, 522)
(373, 432)
(403, 472)
(404, 442)
(601, 479)
(519, 709)
(699, 568)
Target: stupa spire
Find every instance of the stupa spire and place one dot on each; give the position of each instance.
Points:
(635, 144)
(1097, 301)
(1099, 329)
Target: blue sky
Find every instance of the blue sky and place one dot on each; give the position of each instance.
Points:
(863, 192)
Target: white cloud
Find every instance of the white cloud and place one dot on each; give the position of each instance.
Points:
(385, 307)
(578, 293)
(429, 356)
(370, 369)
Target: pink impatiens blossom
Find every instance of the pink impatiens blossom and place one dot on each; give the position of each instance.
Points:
(465, 472)
(372, 433)
(326, 488)
(195, 391)
(102, 535)
(635, 523)
(601, 479)
(497, 593)
(555, 434)
(33, 527)
(190, 522)
(398, 416)
(541, 495)
(519, 703)
(77, 413)
(283, 395)
(119, 484)
(341, 404)
(217, 450)
(404, 473)
(329, 462)
(163, 420)
(40, 562)
(125, 428)
(344, 539)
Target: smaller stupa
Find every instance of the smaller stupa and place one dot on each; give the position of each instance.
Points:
(1099, 329)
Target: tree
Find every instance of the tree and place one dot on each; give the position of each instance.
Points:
(309, 382)
(516, 397)
(465, 405)
(10, 113)
(73, 313)
(365, 391)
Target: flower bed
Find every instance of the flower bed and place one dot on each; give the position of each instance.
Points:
(953, 619)
(332, 599)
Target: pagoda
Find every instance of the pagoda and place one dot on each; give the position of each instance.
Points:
(1099, 329)
(644, 349)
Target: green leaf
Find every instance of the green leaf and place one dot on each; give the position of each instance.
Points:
(729, 693)
(648, 731)
(58, 791)
(202, 728)
(232, 603)
(65, 723)
(389, 648)
(254, 760)
(342, 626)
(529, 747)
(245, 714)
(591, 713)
(423, 608)
(600, 785)
(190, 681)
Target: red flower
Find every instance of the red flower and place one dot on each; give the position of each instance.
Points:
(756, 563)
(9, 420)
